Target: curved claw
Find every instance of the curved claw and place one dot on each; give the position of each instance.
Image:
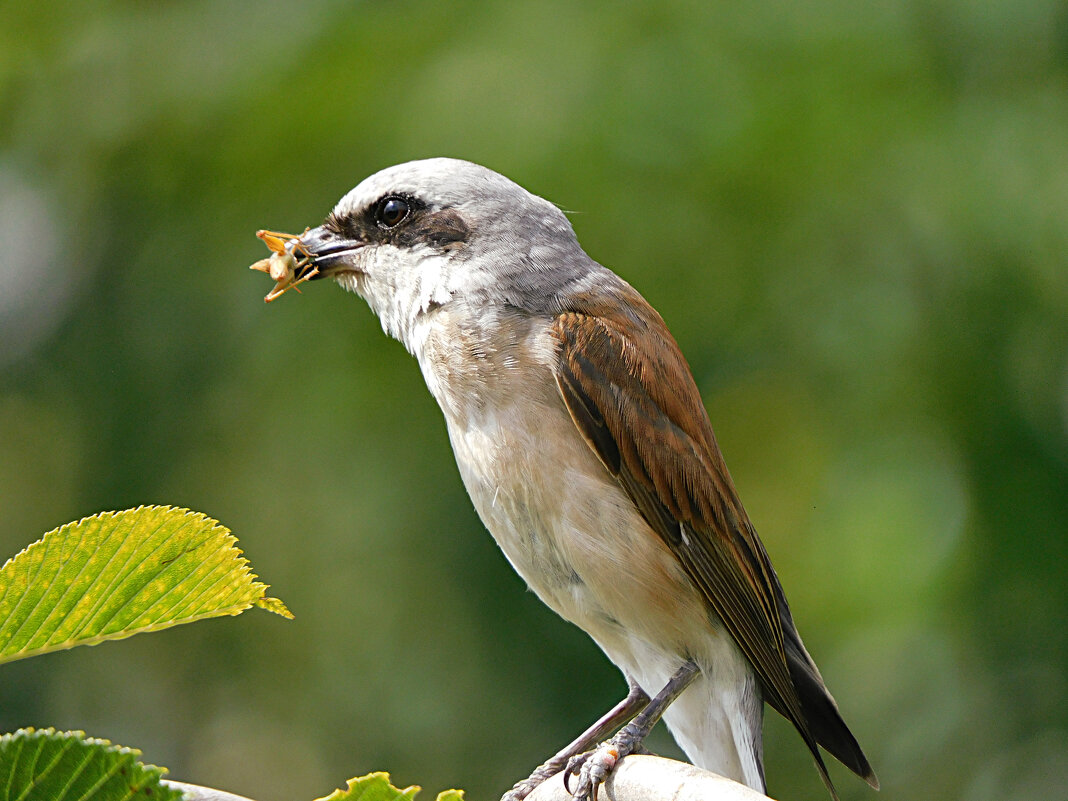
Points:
(592, 769)
(574, 768)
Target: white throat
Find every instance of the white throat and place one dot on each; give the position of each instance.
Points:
(401, 289)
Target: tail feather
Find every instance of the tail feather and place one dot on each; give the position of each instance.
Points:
(822, 718)
(821, 712)
(822, 723)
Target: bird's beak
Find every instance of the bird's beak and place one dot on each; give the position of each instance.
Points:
(328, 251)
(317, 253)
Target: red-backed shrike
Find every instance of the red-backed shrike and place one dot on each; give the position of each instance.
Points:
(584, 445)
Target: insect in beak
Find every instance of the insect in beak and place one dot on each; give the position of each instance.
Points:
(287, 263)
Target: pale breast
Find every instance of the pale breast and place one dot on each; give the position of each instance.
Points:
(562, 520)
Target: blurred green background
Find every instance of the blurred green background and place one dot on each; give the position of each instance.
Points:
(854, 217)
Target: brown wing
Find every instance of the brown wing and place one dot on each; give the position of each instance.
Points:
(635, 402)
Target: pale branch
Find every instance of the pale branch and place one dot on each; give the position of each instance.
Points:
(636, 778)
(194, 792)
(641, 777)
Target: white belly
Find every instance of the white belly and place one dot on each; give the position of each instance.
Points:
(561, 519)
(576, 538)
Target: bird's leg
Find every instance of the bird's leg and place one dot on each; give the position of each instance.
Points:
(593, 767)
(624, 711)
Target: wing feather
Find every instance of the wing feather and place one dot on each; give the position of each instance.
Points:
(633, 399)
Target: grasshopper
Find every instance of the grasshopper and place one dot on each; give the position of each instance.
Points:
(284, 266)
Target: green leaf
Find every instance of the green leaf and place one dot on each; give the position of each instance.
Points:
(68, 766)
(377, 787)
(117, 574)
(372, 787)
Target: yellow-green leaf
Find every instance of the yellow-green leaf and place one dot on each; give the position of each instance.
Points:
(117, 574)
(372, 787)
(377, 787)
(68, 766)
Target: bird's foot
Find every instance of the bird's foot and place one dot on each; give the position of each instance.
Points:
(593, 767)
(622, 712)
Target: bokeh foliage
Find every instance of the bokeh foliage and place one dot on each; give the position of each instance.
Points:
(853, 216)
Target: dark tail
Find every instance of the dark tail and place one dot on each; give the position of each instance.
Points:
(821, 713)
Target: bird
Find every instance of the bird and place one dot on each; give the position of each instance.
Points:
(583, 442)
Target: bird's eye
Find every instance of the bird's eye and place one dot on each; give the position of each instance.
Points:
(391, 211)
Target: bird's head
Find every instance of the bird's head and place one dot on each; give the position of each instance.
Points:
(418, 236)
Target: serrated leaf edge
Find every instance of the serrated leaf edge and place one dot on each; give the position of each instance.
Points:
(241, 570)
(71, 738)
